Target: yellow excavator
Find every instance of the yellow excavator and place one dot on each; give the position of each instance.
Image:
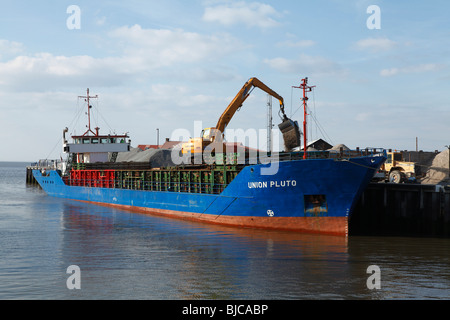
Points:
(214, 135)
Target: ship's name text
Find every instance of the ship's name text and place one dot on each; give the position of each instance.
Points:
(272, 184)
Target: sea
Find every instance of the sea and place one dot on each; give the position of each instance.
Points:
(59, 249)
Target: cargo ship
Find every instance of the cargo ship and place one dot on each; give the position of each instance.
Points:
(300, 191)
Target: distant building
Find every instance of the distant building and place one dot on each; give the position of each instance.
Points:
(144, 147)
(318, 144)
(170, 144)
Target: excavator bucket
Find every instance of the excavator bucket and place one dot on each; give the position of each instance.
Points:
(291, 133)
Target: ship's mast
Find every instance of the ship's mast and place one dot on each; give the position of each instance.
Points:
(304, 86)
(95, 148)
(87, 97)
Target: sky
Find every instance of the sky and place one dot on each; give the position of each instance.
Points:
(381, 70)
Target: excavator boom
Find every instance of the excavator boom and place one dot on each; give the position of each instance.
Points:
(239, 99)
(289, 128)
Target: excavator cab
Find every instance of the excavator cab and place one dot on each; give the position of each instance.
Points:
(211, 134)
(198, 145)
(206, 134)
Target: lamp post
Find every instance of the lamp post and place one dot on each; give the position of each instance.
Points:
(448, 147)
(157, 137)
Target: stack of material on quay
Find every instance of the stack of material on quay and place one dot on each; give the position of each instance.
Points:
(438, 172)
(155, 157)
(338, 147)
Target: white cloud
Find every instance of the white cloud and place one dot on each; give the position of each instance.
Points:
(161, 47)
(100, 21)
(389, 72)
(375, 44)
(180, 95)
(141, 51)
(411, 69)
(363, 116)
(45, 71)
(304, 64)
(297, 44)
(254, 14)
(10, 48)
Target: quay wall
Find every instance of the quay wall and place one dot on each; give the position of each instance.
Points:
(402, 210)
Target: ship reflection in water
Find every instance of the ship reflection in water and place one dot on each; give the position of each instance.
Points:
(132, 255)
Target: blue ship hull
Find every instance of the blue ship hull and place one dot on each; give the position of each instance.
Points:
(311, 195)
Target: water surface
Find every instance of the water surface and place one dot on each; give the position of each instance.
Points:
(126, 255)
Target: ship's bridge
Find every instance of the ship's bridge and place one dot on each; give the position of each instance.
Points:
(86, 144)
(97, 148)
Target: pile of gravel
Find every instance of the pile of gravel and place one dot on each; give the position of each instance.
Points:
(155, 157)
(128, 156)
(438, 172)
(338, 148)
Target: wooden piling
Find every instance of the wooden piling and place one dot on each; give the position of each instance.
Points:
(30, 180)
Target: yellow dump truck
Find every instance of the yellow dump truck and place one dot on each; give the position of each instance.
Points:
(396, 170)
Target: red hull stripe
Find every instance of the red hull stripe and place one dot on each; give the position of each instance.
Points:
(321, 225)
